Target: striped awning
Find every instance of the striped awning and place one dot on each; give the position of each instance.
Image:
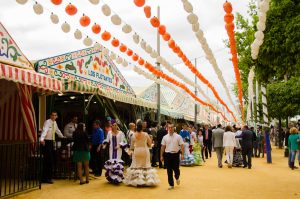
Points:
(29, 77)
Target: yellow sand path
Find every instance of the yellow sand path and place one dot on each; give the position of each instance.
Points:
(204, 182)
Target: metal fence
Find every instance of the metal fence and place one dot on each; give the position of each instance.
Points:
(20, 168)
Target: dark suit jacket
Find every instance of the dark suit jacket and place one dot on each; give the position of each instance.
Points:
(160, 134)
(247, 139)
(209, 136)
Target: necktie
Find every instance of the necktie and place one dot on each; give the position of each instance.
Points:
(53, 131)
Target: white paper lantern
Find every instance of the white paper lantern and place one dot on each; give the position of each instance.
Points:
(54, 18)
(65, 27)
(260, 42)
(148, 49)
(95, 2)
(188, 7)
(77, 34)
(119, 60)
(199, 34)
(262, 17)
(87, 41)
(264, 6)
(127, 28)
(112, 56)
(195, 27)
(192, 18)
(159, 59)
(124, 63)
(259, 35)
(105, 51)
(136, 38)
(38, 8)
(154, 54)
(97, 45)
(21, 1)
(106, 10)
(143, 44)
(261, 26)
(116, 20)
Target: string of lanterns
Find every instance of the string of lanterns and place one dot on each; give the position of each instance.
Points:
(193, 20)
(228, 18)
(177, 50)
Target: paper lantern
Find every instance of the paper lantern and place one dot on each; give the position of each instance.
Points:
(71, 9)
(171, 43)
(56, 2)
(115, 42)
(77, 34)
(148, 49)
(262, 17)
(162, 29)
(136, 38)
(112, 56)
(129, 52)
(195, 27)
(95, 2)
(97, 45)
(135, 57)
(54, 18)
(96, 28)
(123, 48)
(166, 36)
(264, 6)
(124, 63)
(188, 7)
(106, 10)
(126, 28)
(261, 26)
(154, 54)
(192, 18)
(84, 20)
(154, 22)
(22, 1)
(147, 11)
(38, 8)
(105, 51)
(119, 60)
(141, 61)
(228, 18)
(116, 20)
(229, 27)
(139, 3)
(176, 49)
(106, 36)
(87, 41)
(227, 7)
(159, 59)
(143, 44)
(199, 34)
(259, 35)
(65, 27)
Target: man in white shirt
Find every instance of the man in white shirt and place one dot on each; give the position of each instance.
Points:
(47, 139)
(71, 127)
(172, 145)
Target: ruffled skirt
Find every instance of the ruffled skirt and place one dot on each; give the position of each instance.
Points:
(197, 154)
(141, 177)
(114, 171)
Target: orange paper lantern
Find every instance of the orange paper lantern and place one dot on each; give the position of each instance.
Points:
(135, 57)
(96, 28)
(171, 43)
(123, 48)
(229, 26)
(85, 21)
(162, 29)
(147, 11)
(129, 52)
(139, 3)
(227, 7)
(141, 61)
(71, 9)
(106, 36)
(228, 18)
(56, 2)
(155, 22)
(166, 36)
(115, 42)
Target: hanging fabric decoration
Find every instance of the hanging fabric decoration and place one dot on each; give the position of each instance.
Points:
(97, 45)
(105, 51)
(78, 34)
(65, 27)
(38, 8)
(112, 56)
(71, 9)
(230, 31)
(106, 10)
(54, 18)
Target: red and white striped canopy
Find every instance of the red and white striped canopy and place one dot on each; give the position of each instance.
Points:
(29, 77)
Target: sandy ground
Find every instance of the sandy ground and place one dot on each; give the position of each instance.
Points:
(262, 181)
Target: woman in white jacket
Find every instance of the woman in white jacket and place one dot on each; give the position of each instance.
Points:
(229, 144)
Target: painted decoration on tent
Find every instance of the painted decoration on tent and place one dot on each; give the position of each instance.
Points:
(10, 52)
(88, 66)
(150, 94)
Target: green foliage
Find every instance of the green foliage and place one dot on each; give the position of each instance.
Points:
(284, 98)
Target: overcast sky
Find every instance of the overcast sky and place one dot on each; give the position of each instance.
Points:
(38, 38)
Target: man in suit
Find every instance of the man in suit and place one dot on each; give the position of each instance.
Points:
(160, 134)
(247, 146)
(207, 134)
(217, 142)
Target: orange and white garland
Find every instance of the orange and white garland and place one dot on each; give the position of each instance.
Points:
(228, 18)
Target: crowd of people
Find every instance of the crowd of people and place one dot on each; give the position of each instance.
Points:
(143, 146)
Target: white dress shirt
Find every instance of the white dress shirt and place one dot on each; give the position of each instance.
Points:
(193, 138)
(229, 139)
(69, 129)
(173, 143)
(47, 130)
